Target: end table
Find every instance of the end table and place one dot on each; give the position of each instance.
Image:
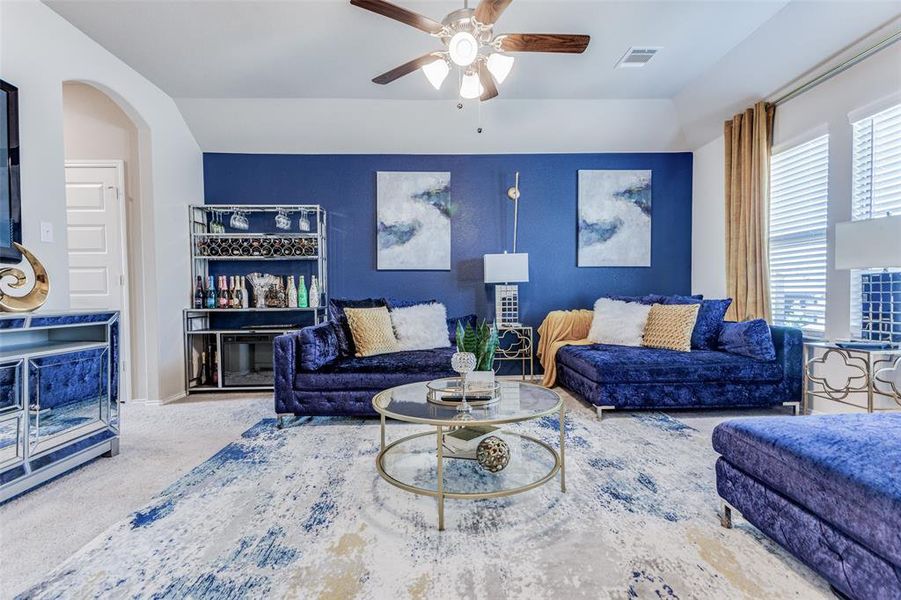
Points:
(515, 344)
(868, 371)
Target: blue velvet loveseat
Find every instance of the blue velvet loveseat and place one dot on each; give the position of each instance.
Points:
(826, 488)
(626, 377)
(317, 374)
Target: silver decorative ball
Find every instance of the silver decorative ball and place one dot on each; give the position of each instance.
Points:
(493, 454)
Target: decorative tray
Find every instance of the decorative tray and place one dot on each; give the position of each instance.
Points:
(449, 392)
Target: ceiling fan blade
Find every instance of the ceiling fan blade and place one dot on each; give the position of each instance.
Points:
(488, 11)
(490, 89)
(544, 42)
(405, 69)
(392, 11)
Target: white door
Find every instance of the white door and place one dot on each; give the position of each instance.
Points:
(96, 243)
(94, 232)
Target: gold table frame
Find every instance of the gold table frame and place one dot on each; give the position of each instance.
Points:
(868, 368)
(520, 350)
(440, 493)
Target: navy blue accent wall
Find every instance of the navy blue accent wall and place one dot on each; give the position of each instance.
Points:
(346, 186)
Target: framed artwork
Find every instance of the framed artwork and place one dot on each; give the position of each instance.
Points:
(414, 228)
(614, 219)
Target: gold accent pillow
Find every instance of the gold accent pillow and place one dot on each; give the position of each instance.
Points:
(372, 330)
(669, 326)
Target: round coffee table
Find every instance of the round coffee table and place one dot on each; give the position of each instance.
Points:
(417, 463)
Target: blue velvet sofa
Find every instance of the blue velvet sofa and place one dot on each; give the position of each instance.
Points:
(316, 373)
(638, 378)
(826, 488)
(632, 378)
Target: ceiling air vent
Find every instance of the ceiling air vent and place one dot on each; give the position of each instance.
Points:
(637, 57)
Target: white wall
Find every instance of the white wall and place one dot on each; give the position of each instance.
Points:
(825, 108)
(708, 221)
(95, 128)
(336, 126)
(39, 50)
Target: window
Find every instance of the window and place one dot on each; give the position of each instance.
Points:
(876, 192)
(799, 180)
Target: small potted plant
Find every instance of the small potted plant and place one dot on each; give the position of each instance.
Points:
(481, 341)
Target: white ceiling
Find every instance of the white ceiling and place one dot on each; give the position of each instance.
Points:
(715, 53)
(331, 49)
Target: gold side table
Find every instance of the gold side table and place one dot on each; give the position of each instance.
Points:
(875, 373)
(515, 344)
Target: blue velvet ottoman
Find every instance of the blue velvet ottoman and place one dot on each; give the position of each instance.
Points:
(826, 488)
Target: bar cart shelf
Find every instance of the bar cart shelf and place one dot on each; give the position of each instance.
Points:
(230, 349)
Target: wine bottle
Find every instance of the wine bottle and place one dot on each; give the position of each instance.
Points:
(199, 296)
(223, 292)
(245, 297)
(301, 293)
(239, 292)
(210, 293)
(292, 293)
(314, 293)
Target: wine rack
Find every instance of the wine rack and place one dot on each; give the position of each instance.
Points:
(231, 348)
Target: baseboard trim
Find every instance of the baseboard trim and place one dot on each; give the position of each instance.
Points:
(169, 400)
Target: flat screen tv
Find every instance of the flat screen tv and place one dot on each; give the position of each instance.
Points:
(10, 196)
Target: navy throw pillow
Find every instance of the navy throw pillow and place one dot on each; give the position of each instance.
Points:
(749, 338)
(393, 303)
(317, 345)
(336, 308)
(657, 299)
(708, 324)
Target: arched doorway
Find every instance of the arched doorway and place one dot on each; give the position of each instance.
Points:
(104, 201)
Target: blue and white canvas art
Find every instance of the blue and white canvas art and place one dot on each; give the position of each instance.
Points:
(414, 228)
(614, 219)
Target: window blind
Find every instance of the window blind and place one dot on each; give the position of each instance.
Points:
(876, 182)
(799, 180)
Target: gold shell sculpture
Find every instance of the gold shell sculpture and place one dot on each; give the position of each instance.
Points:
(34, 298)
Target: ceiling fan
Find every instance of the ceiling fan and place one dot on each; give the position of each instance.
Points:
(471, 45)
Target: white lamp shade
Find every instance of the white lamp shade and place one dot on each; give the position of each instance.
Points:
(463, 48)
(868, 244)
(436, 72)
(500, 65)
(506, 268)
(471, 87)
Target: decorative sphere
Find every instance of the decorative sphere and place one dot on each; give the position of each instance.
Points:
(493, 454)
(463, 362)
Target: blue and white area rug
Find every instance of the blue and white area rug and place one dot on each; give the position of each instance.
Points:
(302, 513)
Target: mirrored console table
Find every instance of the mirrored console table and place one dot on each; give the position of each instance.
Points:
(59, 395)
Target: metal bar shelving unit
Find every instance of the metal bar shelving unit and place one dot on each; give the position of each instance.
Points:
(199, 326)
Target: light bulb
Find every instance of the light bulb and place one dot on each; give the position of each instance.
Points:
(436, 71)
(500, 66)
(463, 48)
(471, 87)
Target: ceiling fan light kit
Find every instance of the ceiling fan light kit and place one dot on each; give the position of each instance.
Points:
(471, 45)
(471, 88)
(436, 72)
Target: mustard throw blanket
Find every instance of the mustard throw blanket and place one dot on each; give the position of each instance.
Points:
(561, 328)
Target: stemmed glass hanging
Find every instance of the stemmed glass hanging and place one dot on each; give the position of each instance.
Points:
(282, 220)
(239, 221)
(303, 223)
(216, 225)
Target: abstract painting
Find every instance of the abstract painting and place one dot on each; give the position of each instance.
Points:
(614, 219)
(413, 212)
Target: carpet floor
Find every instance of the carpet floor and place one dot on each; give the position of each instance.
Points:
(301, 512)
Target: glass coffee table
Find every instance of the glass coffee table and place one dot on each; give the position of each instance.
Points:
(419, 463)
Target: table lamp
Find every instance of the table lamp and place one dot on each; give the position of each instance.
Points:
(873, 244)
(503, 270)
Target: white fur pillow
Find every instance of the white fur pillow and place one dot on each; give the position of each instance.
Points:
(616, 322)
(421, 327)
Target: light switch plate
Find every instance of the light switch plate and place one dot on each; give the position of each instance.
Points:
(46, 231)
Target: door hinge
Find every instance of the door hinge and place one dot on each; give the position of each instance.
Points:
(121, 279)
